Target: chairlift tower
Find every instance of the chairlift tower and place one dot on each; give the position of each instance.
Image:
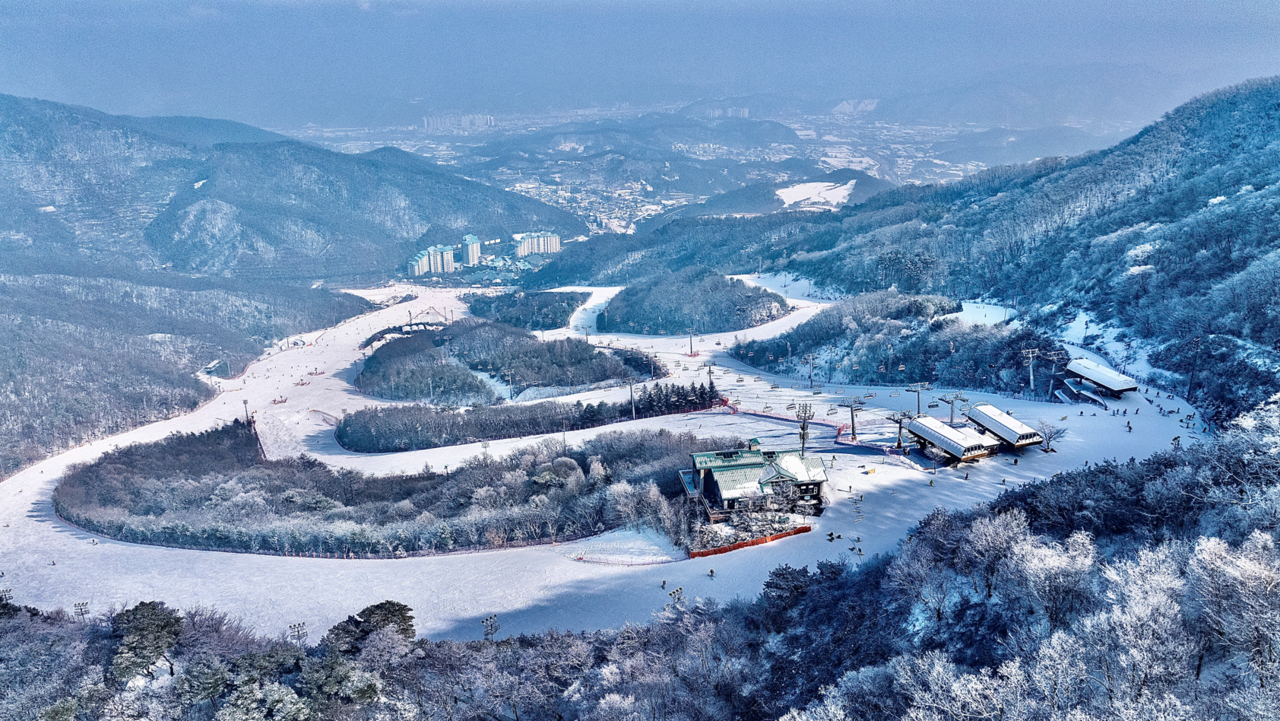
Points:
(854, 405)
(901, 418)
(918, 389)
(1030, 355)
(1055, 357)
(951, 399)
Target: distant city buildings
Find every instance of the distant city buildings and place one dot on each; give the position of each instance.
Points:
(457, 123)
(539, 242)
(729, 113)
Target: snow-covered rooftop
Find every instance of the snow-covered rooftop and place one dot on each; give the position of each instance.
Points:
(1010, 429)
(1102, 376)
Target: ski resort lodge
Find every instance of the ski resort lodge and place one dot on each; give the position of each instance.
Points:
(727, 480)
(1103, 378)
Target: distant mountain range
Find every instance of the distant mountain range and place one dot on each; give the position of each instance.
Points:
(221, 198)
(663, 151)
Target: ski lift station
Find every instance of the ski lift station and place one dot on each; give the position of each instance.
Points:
(960, 443)
(1002, 425)
(1102, 377)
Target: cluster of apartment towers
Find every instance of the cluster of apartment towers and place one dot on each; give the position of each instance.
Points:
(439, 258)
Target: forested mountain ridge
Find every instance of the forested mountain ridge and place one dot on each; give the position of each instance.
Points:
(1171, 234)
(166, 191)
(90, 352)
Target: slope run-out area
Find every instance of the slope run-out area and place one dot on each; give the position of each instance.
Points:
(50, 564)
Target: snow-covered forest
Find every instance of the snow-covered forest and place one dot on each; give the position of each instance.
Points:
(532, 311)
(87, 356)
(390, 429)
(239, 501)
(432, 366)
(887, 338)
(413, 369)
(692, 298)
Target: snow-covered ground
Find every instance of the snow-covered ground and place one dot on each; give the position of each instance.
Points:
(824, 196)
(50, 564)
(983, 313)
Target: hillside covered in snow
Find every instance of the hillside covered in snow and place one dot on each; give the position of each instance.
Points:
(1170, 235)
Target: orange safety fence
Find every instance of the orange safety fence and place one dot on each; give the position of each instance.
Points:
(752, 542)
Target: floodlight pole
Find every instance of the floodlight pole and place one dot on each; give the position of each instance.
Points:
(804, 414)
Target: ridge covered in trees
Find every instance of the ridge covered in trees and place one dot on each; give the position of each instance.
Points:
(413, 369)
(693, 297)
(528, 310)
(1170, 235)
(432, 366)
(91, 351)
(395, 429)
(212, 490)
(892, 338)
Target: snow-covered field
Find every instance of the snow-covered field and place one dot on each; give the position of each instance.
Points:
(825, 196)
(982, 313)
(50, 564)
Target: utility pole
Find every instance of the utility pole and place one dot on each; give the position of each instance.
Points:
(918, 388)
(1195, 348)
(1030, 354)
(804, 414)
(632, 386)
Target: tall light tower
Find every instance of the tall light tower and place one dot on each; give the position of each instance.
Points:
(804, 414)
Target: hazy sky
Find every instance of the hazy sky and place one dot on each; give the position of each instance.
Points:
(336, 62)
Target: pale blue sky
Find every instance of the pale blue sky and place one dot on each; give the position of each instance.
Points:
(287, 63)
